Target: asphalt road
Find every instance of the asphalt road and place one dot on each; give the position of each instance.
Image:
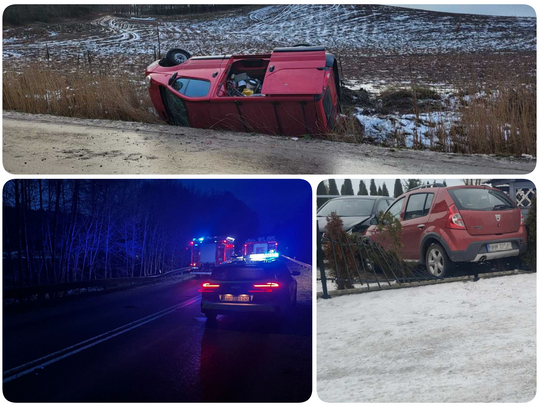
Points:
(41, 144)
(169, 354)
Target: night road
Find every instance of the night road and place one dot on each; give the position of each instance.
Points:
(151, 343)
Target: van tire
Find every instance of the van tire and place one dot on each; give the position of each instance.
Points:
(177, 56)
(438, 264)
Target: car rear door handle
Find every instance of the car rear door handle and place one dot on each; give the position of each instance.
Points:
(421, 226)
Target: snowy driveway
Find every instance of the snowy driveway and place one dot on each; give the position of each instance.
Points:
(455, 342)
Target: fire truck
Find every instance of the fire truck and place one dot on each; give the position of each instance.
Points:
(260, 249)
(209, 252)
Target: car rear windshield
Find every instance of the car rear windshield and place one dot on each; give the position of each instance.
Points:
(347, 207)
(240, 273)
(476, 199)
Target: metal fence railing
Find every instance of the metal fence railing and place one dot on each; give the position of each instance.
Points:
(51, 289)
(308, 266)
(356, 260)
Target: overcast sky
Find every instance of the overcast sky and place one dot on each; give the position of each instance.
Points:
(390, 183)
(520, 10)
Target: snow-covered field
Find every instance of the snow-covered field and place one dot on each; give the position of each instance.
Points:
(359, 30)
(455, 342)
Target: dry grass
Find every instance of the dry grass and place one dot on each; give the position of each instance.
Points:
(347, 129)
(77, 94)
(498, 120)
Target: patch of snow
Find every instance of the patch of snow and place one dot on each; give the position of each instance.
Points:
(453, 342)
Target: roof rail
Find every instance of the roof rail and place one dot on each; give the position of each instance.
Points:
(434, 185)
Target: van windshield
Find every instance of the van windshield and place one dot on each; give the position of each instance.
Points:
(347, 207)
(476, 199)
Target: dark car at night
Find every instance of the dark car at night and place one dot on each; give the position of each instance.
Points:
(355, 211)
(256, 288)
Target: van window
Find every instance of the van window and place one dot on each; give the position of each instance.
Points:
(193, 88)
(176, 108)
(328, 108)
(418, 206)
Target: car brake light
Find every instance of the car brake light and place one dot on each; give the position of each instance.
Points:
(264, 288)
(454, 221)
(208, 287)
(522, 220)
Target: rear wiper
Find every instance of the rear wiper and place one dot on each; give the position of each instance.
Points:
(502, 206)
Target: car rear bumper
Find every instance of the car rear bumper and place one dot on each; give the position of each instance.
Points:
(478, 251)
(236, 308)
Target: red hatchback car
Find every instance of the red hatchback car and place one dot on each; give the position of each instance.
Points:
(292, 91)
(446, 225)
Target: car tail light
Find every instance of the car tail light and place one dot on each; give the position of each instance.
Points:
(264, 288)
(208, 287)
(522, 220)
(454, 221)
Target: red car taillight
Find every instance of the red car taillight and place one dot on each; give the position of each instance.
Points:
(522, 220)
(264, 288)
(208, 287)
(454, 221)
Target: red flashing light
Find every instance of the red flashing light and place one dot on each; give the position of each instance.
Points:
(454, 221)
(191, 243)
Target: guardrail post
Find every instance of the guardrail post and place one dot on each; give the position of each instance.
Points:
(320, 263)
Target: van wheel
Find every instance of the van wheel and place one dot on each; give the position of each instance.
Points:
(177, 56)
(438, 264)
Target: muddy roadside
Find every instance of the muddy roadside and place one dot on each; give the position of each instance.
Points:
(42, 144)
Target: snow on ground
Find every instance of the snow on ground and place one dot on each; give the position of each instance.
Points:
(403, 127)
(455, 342)
(362, 29)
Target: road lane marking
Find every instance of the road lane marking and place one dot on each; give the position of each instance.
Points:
(93, 341)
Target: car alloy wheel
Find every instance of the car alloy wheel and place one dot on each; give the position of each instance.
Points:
(435, 262)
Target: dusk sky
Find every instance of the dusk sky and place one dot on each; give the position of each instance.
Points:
(273, 200)
(517, 10)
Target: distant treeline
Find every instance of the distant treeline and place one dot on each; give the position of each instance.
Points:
(58, 231)
(24, 14)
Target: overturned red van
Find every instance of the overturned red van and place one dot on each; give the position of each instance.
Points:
(292, 91)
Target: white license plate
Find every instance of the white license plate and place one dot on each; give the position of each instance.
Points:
(235, 298)
(499, 247)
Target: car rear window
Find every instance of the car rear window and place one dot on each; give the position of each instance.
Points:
(476, 199)
(348, 207)
(241, 273)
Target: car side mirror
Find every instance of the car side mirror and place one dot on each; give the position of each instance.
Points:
(374, 221)
(295, 273)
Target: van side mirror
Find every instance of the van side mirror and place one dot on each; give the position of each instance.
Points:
(374, 221)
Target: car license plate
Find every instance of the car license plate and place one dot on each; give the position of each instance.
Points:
(235, 298)
(499, 247)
